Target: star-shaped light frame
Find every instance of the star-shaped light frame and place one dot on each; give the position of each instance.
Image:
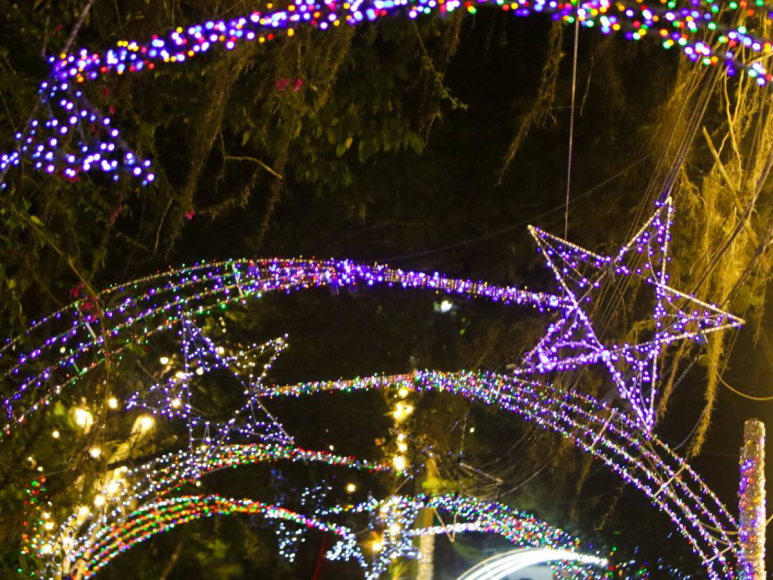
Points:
(200, 356)
(572, 341)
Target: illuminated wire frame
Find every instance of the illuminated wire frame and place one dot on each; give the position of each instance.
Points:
(172, 398)
(48, 145)
(60, 350)
(633, 367)
(503, 565)
(641, 459)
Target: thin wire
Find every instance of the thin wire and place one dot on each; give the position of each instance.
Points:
(520, 223)
(571, 126)
(744, 395)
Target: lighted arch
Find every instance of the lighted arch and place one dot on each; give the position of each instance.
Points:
(501, 565)
(640, 459)
(61, 349)
(121, 534)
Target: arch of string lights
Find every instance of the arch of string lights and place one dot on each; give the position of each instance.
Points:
(75, 137)
(641, 459)
(62, 349)
(60, 546)
(394, 519)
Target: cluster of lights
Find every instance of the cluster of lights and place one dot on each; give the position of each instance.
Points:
(669, 24)
(572, 341)
(61, 349)
(93, 144)
(640, 458)
(753, 517)
(126, 487)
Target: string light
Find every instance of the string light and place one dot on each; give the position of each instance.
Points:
(639, 457)
(98, 145)
(751, 533)
(160, 302)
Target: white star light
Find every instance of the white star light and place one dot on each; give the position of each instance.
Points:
(172, 398)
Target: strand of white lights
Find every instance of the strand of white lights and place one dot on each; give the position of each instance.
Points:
(502, 565)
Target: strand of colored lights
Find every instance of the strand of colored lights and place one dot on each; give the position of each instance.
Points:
(751, 531)
(640, 459)
(519, 528)
(153, 480)
(97, 146)
(671, 25)
(59, 350)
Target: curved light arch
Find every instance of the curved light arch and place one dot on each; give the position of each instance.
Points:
(640, 459)
(117, 537)
(61, 349)
(501, 565)
(154, 480)
(77, 337)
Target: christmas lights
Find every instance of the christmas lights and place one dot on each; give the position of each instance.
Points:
(572, 340)
(172, 398)
(394, 518)
(60, 350)
(751, 532)
(126, 487)
(98, 147)
(640, 458)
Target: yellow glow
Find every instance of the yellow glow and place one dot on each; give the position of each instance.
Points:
(176, 403)
(402, 447)
(83, 418)
(99, 501)
(351, 488)
(112, 402)
(95, 452)
(46, 549)
(55, 434)
(83, 512)
(394, 529)
(143, 424)
(377, 546)
(403, 392)
(164, 360)
(399, 462)
(49, 525)
(113, 488)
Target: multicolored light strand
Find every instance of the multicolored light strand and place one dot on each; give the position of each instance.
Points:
(160, 516)
(641, 459)
(127, 487)
(60, 350)
(101, 149)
